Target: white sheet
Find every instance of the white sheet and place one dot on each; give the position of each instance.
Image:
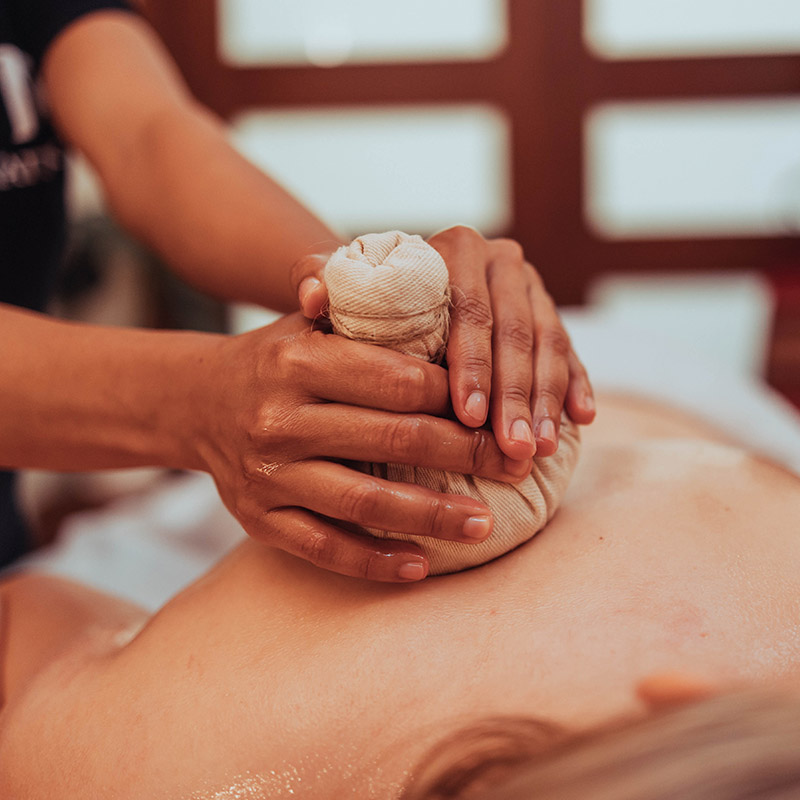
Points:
(149, 547)
(625, 358)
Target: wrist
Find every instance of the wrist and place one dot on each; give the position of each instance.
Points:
(189, 425)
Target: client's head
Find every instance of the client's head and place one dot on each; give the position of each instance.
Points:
(734, 746)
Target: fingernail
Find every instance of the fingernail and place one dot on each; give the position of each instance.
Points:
(477, 528)
(521, 431)
(411, 571)
(588, 402)
(476, 407)
(307, 286)
(547, 430)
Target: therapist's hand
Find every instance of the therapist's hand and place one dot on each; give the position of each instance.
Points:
(290, 402)
(508, 355)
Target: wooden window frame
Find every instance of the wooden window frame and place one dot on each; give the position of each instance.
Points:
(546, 81)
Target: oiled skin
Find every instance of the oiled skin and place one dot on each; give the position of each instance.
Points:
(671, 552)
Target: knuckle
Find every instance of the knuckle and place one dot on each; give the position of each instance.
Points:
(579, 373)
(554, 338)
(262, 529)
(403, 437)
(291, 356)
(460, 238)
(517, 393)
(317, 546)
(373, 567)
(536, 280)
(260, 475)
(517, 334)
(252, 512)
(510, 250)
(270, 421)
(252, 466)
(579, 368)
(359, 501)
(363, 568)
(276, 428)
(462, 232)
(473, 311)
(551, 397)
(407, 384)
(478, 451)
(240, 508)
(434, 517)
(476, 363)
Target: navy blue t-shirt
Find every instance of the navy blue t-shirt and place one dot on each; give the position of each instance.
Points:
(32, 222)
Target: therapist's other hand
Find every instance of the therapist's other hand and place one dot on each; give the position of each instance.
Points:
(509, 356)
(290, 403)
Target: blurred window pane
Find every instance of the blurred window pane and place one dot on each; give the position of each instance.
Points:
(331, 32)
(694, 168)
(725, 318)
(418, 169)
(669, 28)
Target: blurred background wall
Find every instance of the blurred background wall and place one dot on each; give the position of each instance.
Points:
(653, 138)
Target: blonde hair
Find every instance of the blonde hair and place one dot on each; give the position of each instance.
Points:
(738, 746)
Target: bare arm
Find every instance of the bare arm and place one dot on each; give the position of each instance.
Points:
(266, 414)
(174, 180)
(167, 166)
(87, 397)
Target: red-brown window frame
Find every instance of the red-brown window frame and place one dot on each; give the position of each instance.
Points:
(546, 81)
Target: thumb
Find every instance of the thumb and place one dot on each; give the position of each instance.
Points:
(309, 283)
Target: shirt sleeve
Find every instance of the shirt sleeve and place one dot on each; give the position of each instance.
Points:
(40, 21)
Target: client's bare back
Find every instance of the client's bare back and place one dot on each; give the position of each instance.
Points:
(672, 550)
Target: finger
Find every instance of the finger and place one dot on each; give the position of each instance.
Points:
(580, 398)
(309, 283)
(336, 431)
(469, 349)
(551, 369)
(372, 502)
(512, 348)
(334, 368)
(305, 535)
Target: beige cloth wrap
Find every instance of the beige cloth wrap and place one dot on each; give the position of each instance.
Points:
(392, 289)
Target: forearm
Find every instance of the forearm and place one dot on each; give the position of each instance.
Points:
(222, 224)
(167, 166)
(78, 397)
